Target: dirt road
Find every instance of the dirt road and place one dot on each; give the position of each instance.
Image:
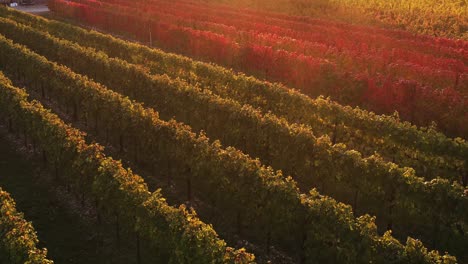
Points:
(39, 7)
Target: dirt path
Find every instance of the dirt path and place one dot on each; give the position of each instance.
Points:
(38, 8)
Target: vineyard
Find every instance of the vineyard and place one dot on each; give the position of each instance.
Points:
(379, 70)
(447, 18)
(200, 132)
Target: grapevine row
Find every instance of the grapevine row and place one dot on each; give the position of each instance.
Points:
(18, 239)
(166, 64)
(247, 192)
(446, 18)
(426, 18)
(121, 77)
(324, 116)
(378, 37)
(447, 167)
(172, 232)
(236, 26)
(165, 102)
(171, 103)
(293, 149)
(314, 76)
(318, 42)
